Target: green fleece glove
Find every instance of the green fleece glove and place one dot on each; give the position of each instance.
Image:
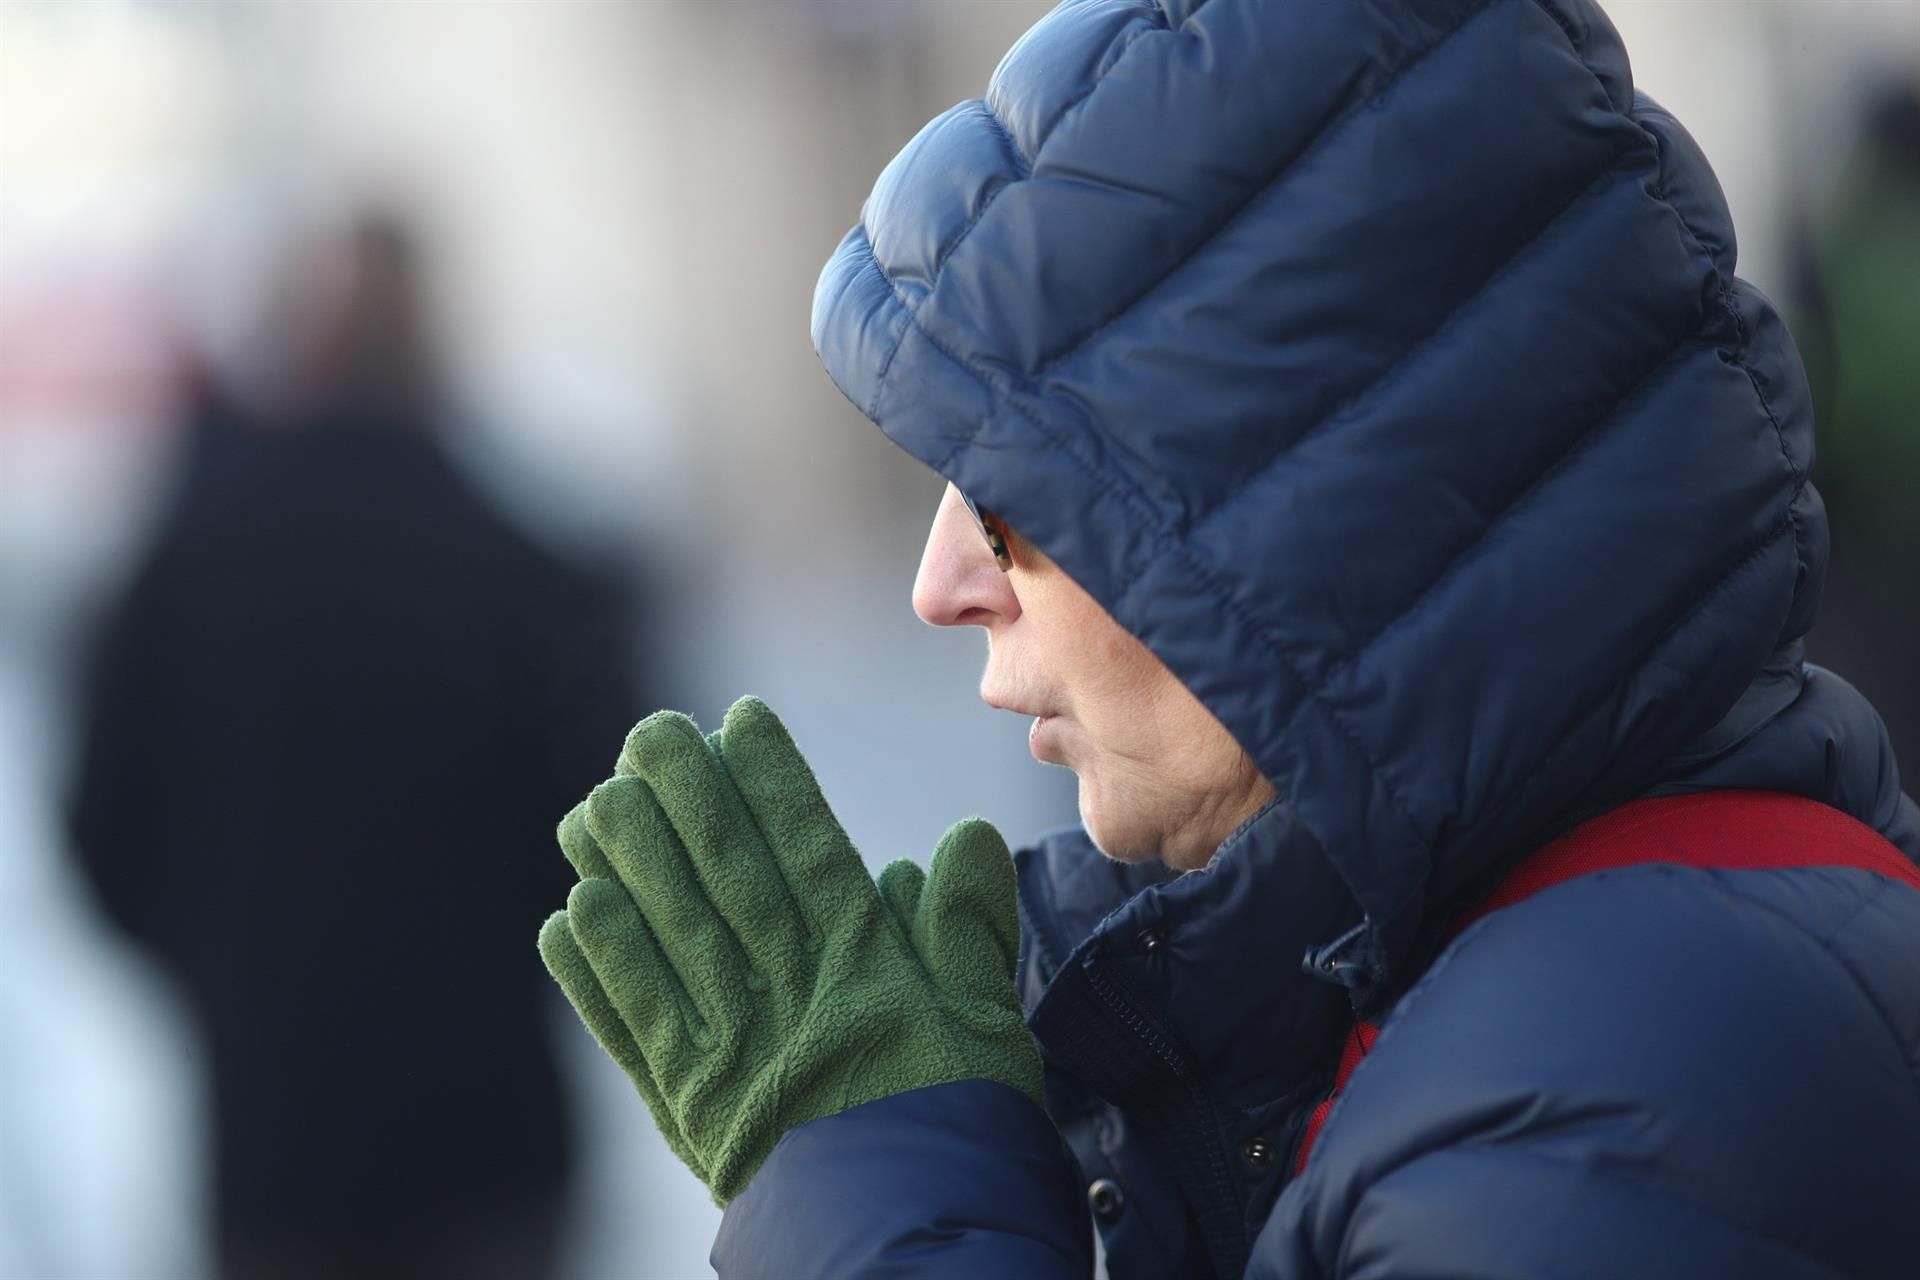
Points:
(728, 949)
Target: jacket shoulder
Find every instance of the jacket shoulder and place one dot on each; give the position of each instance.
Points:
(1671, 1071)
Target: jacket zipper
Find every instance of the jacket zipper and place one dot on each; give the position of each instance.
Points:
(1222, 1178)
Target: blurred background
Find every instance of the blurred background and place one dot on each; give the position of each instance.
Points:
(396, 400)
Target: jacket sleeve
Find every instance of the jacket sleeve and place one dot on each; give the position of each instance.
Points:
(958, 1180)
(1656, 1072)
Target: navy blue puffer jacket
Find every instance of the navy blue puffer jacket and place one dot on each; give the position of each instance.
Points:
(1382, 366)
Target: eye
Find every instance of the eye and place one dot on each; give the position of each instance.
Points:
(995, 531)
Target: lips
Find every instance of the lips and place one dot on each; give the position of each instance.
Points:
(1039, 740)
(1019, 706)
(1008, 704)
(1042, 743)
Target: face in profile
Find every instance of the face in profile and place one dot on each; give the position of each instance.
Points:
(1159, 776)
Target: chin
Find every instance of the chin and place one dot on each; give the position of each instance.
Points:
(1119, 835)
(1133, 832)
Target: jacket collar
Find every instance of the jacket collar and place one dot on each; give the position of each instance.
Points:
(1211, 960)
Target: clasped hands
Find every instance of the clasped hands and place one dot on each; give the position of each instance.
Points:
(727, 948)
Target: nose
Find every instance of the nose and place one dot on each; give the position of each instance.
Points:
(959, 585)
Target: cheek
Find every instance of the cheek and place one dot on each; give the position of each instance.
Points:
(1146, 752)
(1107, 676)
(1128, 719)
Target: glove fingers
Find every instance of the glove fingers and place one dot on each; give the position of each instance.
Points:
(570, 968)
(726, 847)
(900, 886)
(967, 930)
(821, 867)
(627, 824)
(589, 863)
(634, 974)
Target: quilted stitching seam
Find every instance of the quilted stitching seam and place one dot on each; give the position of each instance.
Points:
(1908, 1053)
(1584, 441)
(1311, 147)
(1106, 69)
(1758, 548)
(1395, 370)
(1020, 171)
(1319, 139)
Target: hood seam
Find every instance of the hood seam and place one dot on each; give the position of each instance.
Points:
(1311, 145)
(1595, 185)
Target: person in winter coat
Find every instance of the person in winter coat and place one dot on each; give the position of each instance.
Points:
(263, 747)
(1396, 512)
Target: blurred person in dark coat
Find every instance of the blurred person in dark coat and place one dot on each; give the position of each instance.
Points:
(325, 734)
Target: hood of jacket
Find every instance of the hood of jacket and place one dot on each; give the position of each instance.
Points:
(1383, 367)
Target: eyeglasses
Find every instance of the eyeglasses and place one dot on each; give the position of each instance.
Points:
(995, 531)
